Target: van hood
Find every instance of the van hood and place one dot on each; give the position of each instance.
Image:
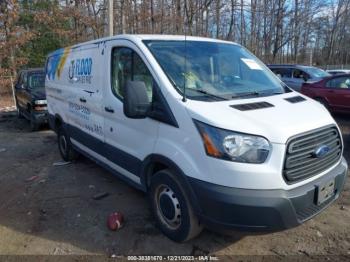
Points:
(38, 94)
(278, 122)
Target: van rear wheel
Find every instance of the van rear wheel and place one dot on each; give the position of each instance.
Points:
(68, 153)
(170, 205)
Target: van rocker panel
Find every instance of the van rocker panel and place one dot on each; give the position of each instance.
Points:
(249, 209)
(113, 154)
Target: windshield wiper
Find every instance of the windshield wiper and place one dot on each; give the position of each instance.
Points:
(206, 93)
(254, 93)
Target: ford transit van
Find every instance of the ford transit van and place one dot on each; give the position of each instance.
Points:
(202, 126)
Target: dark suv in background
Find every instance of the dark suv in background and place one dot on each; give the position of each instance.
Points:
(30, 96)
(295, 75)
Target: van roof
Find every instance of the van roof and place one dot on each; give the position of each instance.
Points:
(136, 37)
(140, 37)
(32, 70)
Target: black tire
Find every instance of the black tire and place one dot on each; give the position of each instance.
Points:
(19, 112)
(65, 146)
(171, 207)
(34, 126)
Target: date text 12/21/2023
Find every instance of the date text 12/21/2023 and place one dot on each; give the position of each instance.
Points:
(172, 258)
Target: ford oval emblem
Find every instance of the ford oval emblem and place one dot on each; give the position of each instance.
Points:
(321, 151)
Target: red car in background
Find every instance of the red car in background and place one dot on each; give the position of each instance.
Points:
(333, 92)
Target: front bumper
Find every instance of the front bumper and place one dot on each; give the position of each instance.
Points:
(227, 207)
(40, 117)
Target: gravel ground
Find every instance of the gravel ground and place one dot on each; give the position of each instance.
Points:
(54, 213)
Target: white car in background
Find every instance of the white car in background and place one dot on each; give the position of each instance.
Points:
(338, 71)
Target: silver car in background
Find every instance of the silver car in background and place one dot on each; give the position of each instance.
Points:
(295, 75)
(338, 71)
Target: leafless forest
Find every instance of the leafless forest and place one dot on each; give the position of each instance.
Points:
(277, 31)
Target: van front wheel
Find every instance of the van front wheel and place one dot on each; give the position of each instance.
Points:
(171, 207)
(34, 126)
(65, 147)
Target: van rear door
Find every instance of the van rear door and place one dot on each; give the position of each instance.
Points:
(84, 97)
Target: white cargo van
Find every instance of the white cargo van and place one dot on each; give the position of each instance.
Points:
(202, 126)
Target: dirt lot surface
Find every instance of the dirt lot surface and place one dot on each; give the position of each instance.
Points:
(54, 213)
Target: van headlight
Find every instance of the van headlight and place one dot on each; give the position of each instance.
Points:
(233, 146)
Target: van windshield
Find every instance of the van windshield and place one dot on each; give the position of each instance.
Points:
(214, 71)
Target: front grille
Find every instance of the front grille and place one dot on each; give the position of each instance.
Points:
(301, 162)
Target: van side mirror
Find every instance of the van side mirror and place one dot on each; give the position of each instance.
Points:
(136, 103)
(19, 86)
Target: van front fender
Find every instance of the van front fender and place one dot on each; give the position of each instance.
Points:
(150, 164)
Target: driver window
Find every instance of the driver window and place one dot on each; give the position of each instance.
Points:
(128, 65)
(141, 73)
(300, 74)
(121, 69)
(282, 72)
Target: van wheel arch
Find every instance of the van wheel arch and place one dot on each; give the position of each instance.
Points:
(29, 108)
(155, 163)
(58, 122)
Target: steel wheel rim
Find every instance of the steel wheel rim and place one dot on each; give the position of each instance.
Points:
(165, 193)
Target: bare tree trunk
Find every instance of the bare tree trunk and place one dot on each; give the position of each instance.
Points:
(178, 19)
(252, 25)
(296, 31)
(217, 16)
(243, 31)
(122, 16)
(232, 20)
(162, 16)
(152, 17)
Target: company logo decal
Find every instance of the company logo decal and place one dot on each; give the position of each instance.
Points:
(80, 71)
(321, 151)
(56, 62)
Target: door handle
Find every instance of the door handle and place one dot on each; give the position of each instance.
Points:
(83, 100)
(109, 110)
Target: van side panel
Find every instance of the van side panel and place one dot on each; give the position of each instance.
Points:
(73, 85)
(78, 88)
